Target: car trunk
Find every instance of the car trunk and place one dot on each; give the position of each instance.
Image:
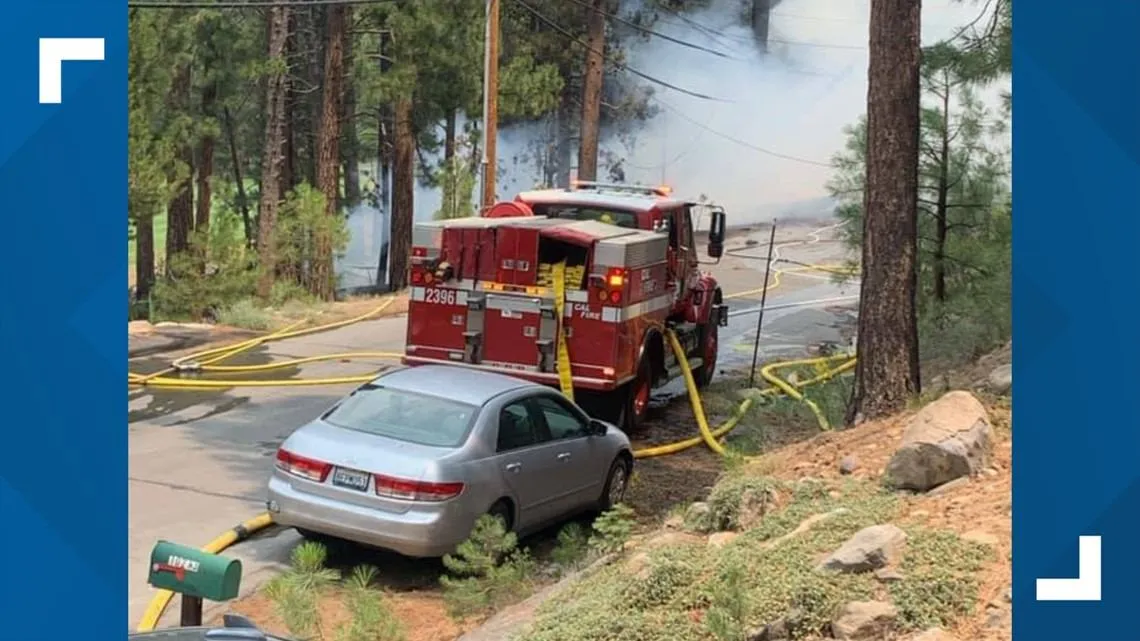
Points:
(357, 451)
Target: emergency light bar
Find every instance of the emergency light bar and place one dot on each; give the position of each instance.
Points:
(637, 189)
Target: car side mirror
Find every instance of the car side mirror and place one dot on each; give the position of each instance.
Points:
(717, 234)
(597, 428)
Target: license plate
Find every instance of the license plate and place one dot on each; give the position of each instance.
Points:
(351, 479)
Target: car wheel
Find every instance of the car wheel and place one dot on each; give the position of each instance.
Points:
(616, 484)
(501, 511)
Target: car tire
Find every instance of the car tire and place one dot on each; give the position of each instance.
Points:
(616, 483)
(502, 511)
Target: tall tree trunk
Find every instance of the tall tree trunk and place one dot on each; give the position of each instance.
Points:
(592, 91)
(144, 256)
(289, 137)
(403, 193)
(942, 204)
(206, 162)
(449, 123)
(239, 179)
(349, 146)
(180, 213)
(887, 373)
(277, 84)
(761, 16)
(328, 149)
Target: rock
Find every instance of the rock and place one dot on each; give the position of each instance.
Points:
(948, 439)
(675, 522)
(889, 575)
(1008, 595)
(721, 539)
(1000, 380)
(998, 618)
(864, 620)
(754, 504)
(934, 634)
(946, 488)
(698, 516)
(869, 549)
(848, 464)
(777, 630)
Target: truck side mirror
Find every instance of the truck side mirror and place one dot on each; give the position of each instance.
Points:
(716, 234)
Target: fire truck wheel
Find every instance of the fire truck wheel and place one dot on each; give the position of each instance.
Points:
(616, 483)
(709, 348)
(637, 397)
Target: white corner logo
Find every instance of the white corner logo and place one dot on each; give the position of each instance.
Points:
(1086, 587)
(53, 52)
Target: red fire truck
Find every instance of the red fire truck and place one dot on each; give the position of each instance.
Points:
(590, 276)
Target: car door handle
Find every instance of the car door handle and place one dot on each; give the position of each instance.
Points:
(514, 467)
(565, 456)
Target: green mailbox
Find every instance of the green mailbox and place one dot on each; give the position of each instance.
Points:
(194, 573)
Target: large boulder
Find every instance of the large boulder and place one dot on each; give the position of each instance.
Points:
(948, 439)
(869, 549)
(864, 621)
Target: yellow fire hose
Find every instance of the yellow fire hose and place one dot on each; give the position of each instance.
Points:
(708, 436)
(234, 535)
(162, 379)
(565, 378)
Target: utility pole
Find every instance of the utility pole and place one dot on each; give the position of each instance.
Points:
(592, 91)
(490, 102)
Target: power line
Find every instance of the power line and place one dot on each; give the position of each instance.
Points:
(621, 65)
(252, 4)
(651, 32)
(740, 142)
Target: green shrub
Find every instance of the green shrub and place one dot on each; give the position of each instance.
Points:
(247, 314)
(571, 547)
(612, 529)
(217, 271)
(941, 581)
(487, 571)
(731, 492)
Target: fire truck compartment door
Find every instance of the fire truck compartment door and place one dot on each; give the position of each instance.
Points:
(511, 328)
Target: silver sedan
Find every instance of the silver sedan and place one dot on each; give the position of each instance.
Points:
(409, 461)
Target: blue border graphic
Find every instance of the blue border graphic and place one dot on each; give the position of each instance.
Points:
(1076, 436)
(63, 447)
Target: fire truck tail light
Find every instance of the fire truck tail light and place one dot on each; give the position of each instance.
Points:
(603, 296)
(394, 488)
(417, 277)
(615, 297)
(307, 468)
(428, 278)
(615, 278)
(419, 252)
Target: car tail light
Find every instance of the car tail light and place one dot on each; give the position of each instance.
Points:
(403, 489)
(303, 467)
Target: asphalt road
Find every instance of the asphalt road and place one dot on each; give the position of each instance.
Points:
(199, 460)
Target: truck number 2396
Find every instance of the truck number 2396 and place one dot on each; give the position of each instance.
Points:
(440, 296)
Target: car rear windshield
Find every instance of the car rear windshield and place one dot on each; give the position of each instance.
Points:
(609, 216)
(405, 416)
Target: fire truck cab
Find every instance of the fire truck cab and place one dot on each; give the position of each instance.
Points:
(591, 276)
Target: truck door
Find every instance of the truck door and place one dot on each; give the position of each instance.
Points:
(511, 326)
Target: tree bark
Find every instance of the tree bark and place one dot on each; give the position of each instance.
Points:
(180, 213)
(144, 257)
(277, 84)
(206, 162)
(322, 284)
(941, 207)
(887, 373)
(349, 146)
(289, 137)
(403, 194)
(592, 91)
(239, 180)
(449, 124)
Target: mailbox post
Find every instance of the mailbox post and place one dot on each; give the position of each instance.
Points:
(194, 574)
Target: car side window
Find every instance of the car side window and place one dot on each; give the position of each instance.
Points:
(562, 422)
(517, 428)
